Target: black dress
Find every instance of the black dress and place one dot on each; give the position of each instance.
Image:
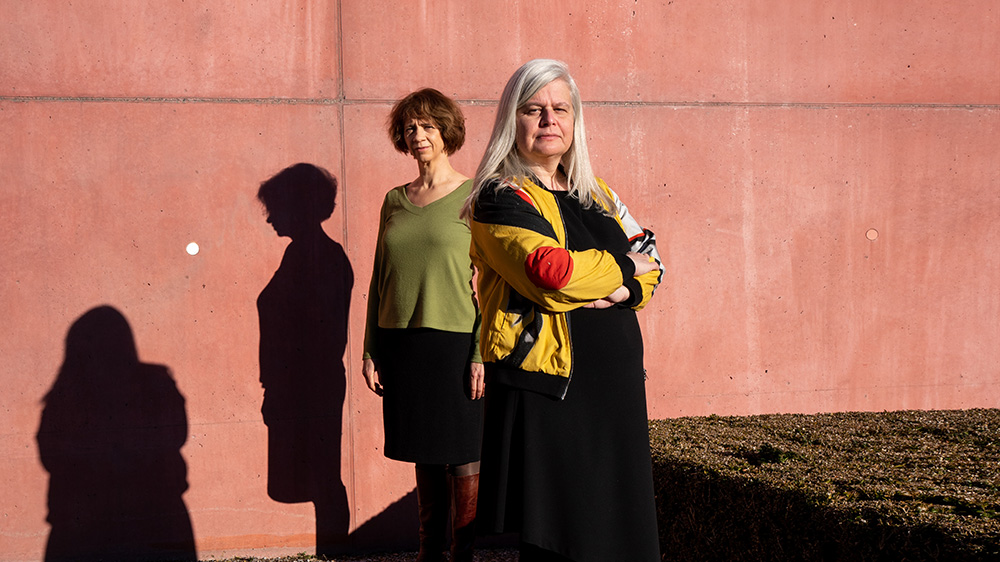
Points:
(574, 476)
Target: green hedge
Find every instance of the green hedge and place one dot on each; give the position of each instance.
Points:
(910, 486)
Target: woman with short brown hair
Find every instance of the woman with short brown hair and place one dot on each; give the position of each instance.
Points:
(421, 336)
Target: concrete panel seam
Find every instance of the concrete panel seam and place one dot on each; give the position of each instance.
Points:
(182, 100)
(488, 103)
(793, 105)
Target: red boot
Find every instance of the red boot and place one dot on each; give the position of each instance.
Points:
(464, 496)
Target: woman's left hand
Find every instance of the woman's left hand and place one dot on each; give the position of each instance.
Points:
(477, 381)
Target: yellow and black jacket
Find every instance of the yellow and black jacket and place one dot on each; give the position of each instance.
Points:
(529, 280)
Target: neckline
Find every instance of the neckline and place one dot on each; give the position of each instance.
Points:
(410, 205)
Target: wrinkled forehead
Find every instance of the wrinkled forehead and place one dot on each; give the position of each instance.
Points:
(562, 89)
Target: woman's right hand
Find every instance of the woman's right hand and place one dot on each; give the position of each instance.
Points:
(370, 371)
(620, 294)
(643, 263)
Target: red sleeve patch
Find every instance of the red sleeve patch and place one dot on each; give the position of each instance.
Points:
(549, 268)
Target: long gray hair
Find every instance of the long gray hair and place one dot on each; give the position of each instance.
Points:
(503, 161)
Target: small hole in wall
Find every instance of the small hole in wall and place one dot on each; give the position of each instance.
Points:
(872, 234)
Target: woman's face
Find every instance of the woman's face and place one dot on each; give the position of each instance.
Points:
(423, 139)
(545, 124)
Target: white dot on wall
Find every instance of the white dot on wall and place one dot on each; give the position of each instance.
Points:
(192, 248)
(872, 234)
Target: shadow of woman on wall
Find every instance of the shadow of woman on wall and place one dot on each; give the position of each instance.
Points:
(110, 437)
(303, 314)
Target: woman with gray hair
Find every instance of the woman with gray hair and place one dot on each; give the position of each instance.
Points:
(563, 266)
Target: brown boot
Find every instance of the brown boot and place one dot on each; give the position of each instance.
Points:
(432, 505)
(464, 495)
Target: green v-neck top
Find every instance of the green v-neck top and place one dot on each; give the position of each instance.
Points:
(422, 274)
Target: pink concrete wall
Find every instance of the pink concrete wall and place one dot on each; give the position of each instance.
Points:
(765, 142)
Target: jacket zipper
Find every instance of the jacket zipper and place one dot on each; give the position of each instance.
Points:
(569, 329)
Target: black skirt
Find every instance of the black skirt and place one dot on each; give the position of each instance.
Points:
(426, 410)
(575, 476)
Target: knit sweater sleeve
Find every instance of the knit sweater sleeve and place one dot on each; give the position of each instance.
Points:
(372, 308)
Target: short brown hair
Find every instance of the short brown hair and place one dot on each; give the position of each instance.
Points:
(432, 105)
